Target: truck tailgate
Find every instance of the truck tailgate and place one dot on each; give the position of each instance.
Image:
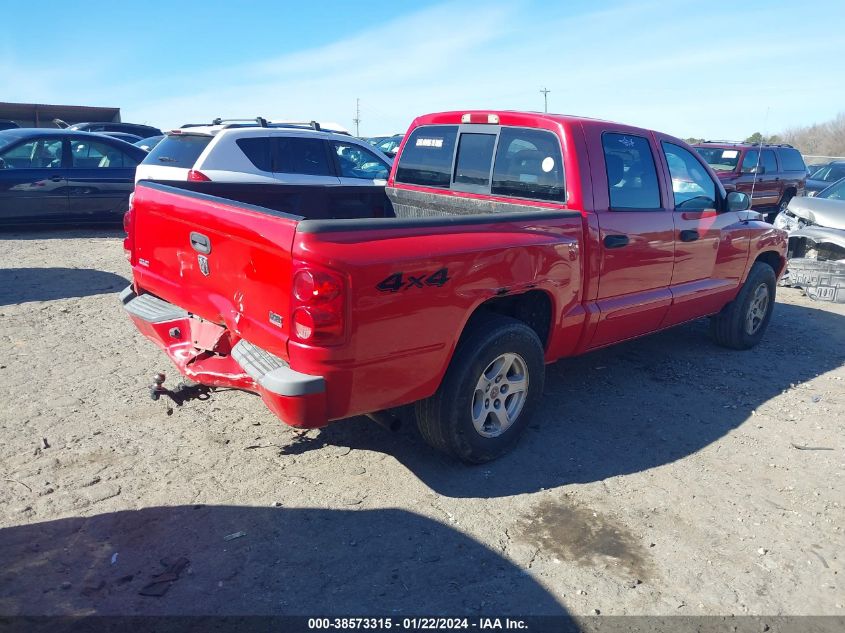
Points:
(221, 260)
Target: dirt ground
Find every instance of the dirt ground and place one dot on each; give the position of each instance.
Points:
(663, 476)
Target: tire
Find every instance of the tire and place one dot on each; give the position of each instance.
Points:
(787, 196)
(784, 201)
(462, 418)
(742, 323)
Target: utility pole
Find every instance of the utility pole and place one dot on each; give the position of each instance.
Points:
(545, 92)
(357, 119)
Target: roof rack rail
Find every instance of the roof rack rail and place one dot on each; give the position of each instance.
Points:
(312, 124)
(749, 143)
(260, 120)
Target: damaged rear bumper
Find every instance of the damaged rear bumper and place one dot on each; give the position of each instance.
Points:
(297, 399)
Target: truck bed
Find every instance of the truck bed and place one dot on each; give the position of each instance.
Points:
(317, 202)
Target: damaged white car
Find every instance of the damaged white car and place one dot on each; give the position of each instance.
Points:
(816, 228)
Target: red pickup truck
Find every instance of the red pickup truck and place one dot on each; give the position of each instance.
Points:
(513, 239)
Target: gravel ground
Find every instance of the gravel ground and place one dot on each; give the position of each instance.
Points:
(663, 476)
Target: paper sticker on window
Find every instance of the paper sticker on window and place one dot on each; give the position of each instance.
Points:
(730, 153)
(429, 142)
(548, 164)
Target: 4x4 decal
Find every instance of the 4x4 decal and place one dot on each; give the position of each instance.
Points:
(398, 281)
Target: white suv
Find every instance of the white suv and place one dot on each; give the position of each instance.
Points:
(263, 152)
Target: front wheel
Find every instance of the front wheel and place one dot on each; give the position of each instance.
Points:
(742, 323)
(483, 404)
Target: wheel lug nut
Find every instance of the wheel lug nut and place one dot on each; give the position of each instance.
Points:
(486, 403)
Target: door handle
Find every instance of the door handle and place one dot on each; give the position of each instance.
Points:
(689, 236)
(200, 243)
(56, 178)
(615, 241)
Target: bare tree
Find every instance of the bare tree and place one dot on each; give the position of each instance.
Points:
(820, 139)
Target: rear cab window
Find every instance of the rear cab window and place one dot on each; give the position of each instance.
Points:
(178, 150)
(427, 157)
(529, 165)
(503, 161)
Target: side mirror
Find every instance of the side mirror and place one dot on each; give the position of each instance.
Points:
(738, 201)
(759, 169)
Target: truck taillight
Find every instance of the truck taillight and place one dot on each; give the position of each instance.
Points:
(127, 227)
(318, 307)
(197, 176)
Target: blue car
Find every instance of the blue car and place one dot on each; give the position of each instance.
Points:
(66, 177)
(824, 177)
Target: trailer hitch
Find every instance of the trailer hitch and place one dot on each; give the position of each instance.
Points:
(184, 391)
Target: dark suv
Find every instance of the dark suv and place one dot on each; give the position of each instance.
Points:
(769, 174)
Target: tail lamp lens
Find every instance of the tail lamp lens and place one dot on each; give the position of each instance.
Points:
(127, 228)
(303, 324)
(310, 286)
(318, 309)
(197, 176)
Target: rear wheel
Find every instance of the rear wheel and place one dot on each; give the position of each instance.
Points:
(742, 323)
(488, 393)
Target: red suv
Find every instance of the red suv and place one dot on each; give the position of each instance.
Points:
(768, 174)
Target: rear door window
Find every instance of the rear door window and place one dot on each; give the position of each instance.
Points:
(295, 155)
(790, 159)
(257, 150)
(528, 165)
(178, 150)
(475, 155)
(87, 154)
(631, 174)
(427, 157)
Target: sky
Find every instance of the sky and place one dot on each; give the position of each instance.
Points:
(688, 68)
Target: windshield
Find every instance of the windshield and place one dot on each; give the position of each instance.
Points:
(7, 138)
(389, 145)
(178, 150)
(836, 191)
(719, 158)
(831, 173)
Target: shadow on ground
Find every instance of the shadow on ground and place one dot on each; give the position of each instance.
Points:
(287, 561)
(62, 232)
(20, 285)
(623, 409)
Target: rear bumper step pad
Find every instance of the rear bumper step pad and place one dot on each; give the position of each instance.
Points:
(150, 308)
(274, 374)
